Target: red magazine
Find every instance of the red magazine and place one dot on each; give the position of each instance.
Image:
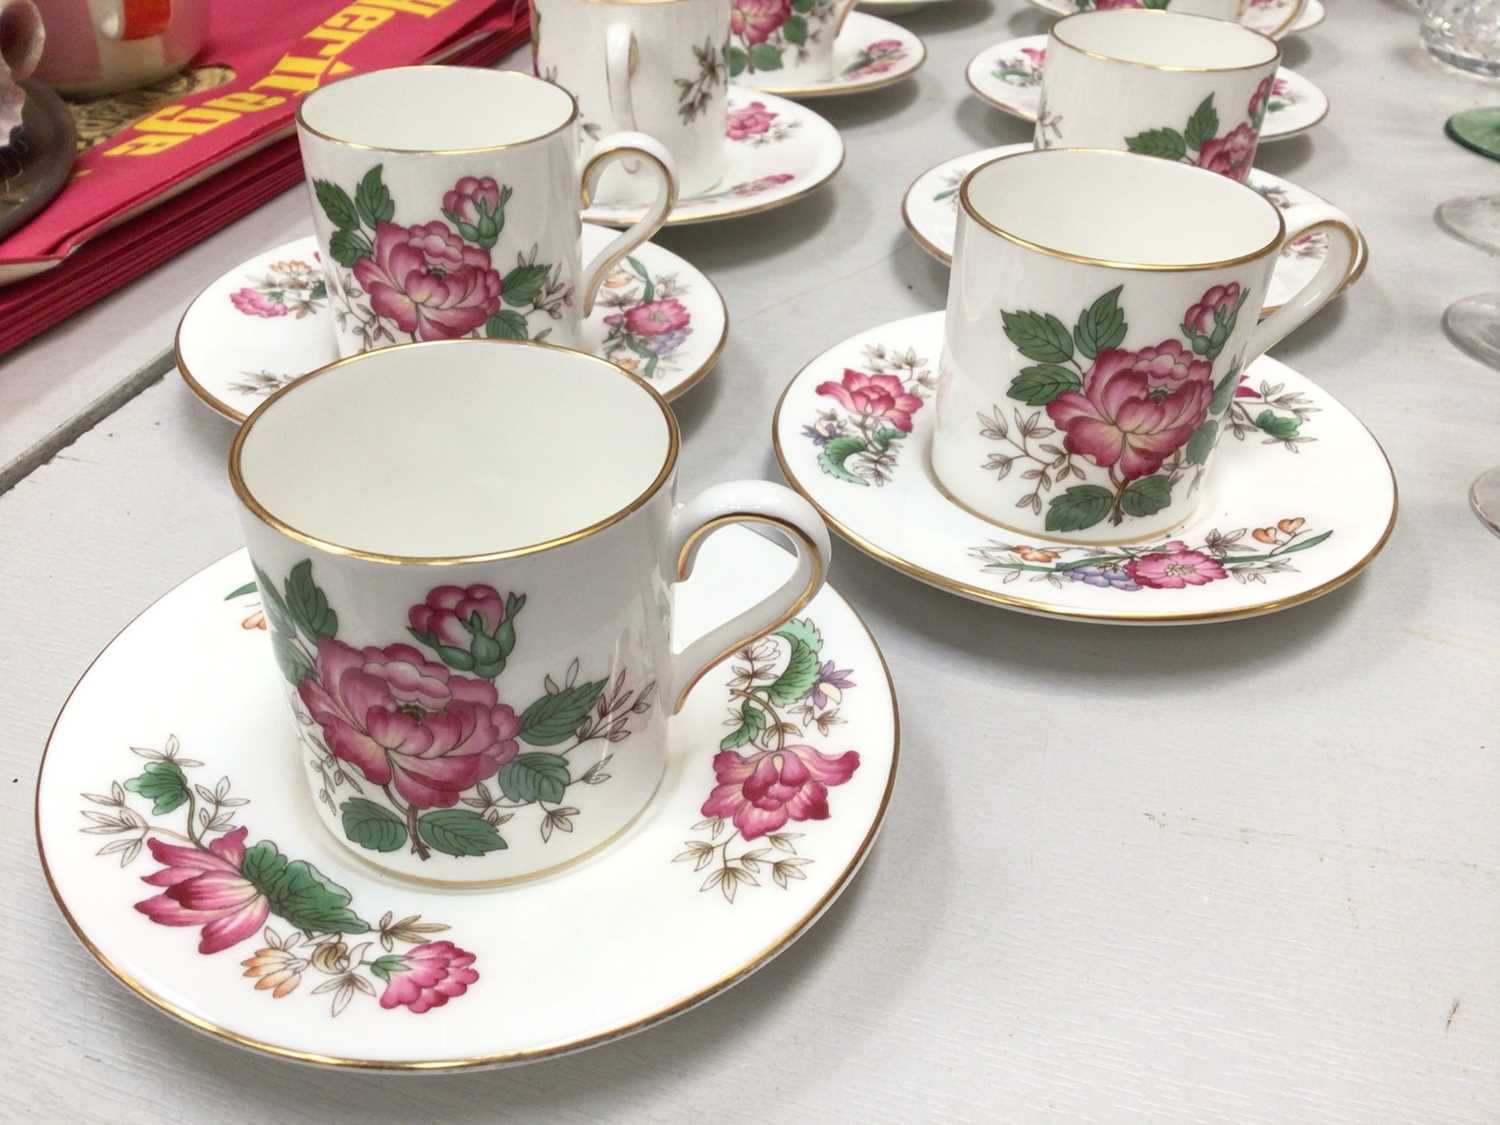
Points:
(192, 166)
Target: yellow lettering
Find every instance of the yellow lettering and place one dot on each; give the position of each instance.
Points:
(244, 101)
(148, 145)
(425, 8)
(177, 119)
(341, 40)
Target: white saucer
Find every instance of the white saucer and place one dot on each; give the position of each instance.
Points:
(869, 53)
(637, 933)
(268, 321)
(1008, 76)
(779, 152)
(1266, 16)
(930, 205)
(1304, 498)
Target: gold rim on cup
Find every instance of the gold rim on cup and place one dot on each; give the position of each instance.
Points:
(1232, 26)
(246, 497)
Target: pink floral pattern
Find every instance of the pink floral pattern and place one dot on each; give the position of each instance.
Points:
(1024, 70)
(749, 120)
(1144, 415)
(861, 443)
(213, 880)
(290, 287)
(880, 57)
(436, 279)
(648, 325)
(421, 737)
(763, 780)
(1245, 555)
(768, 35)
(1203, 143)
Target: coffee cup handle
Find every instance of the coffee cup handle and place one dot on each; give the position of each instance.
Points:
(753, 502)
(1337, 270)
(621, 56)
(1291, 18)
(626, 146)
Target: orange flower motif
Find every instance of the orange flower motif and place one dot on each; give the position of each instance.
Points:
(1292, 526)
(1265, 535)
(277, 969)
(256, 620)
(1036, 554)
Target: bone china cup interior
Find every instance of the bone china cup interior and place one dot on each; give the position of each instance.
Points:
(447, 202)
(466, 552)
(1101, 308)
(1188, 88)
(658, 67)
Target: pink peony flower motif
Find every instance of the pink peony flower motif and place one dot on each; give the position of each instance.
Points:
(427, 976)
(1174, 567)
(755, 20)
(1261, 96)
(401, 719)
(874, 396)
(885, 47)
(1134, 408)
(1169, 365)
(761, 792)
(655, 318)
(1230, 155)
(472, 198)
(1199, 319)
(252, 302)
(1037, 55)
(205, 888)
(447, 611)
(762, 183)
(748, 121)
(428, 281)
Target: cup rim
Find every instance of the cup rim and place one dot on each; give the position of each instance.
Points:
(1274, 60)
(1084, 259)
(502, 75)
(247, 497)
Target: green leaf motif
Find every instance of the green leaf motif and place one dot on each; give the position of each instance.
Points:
(300, 893)
(348, 247)
(1224, 392)
(882, 438)
(290, 658)
(308, 604)
(372, 199)
(1280, 426)
(336, 204)
(535, 776)
(802, 7)
(521, 285)
(507, 324)
(1203, 126)
(802, 629)
(1101, 326)
(1304, 544)
(162, 783)
(836, 453)
(1037, 386)
(273, 603)
(384, 966)
(1201, 444)
(763, 56)
(459, 833)
(556, 717)
(795, 30)
(752, 722)
(737, 61)
(797, 678)
(1079, 507)
(1155, 5)
(1042, 338)
(372, 826)
(1166, 143)
(1147, 496)
(240, 591)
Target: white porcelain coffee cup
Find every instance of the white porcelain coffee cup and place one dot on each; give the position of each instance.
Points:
(784, 43)
(447, 203)
(467, 552)
(1217, 9)
(1101, 310)
(1187, 88)
(659, 68)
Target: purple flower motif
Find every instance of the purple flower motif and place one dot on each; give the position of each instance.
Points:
(1103, 577)
(829, 686)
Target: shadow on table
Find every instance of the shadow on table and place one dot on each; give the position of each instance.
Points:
(940, 18)
(989, 126)
(877, 107)
(720, 245)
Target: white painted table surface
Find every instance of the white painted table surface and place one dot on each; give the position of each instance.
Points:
(1247, 872)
